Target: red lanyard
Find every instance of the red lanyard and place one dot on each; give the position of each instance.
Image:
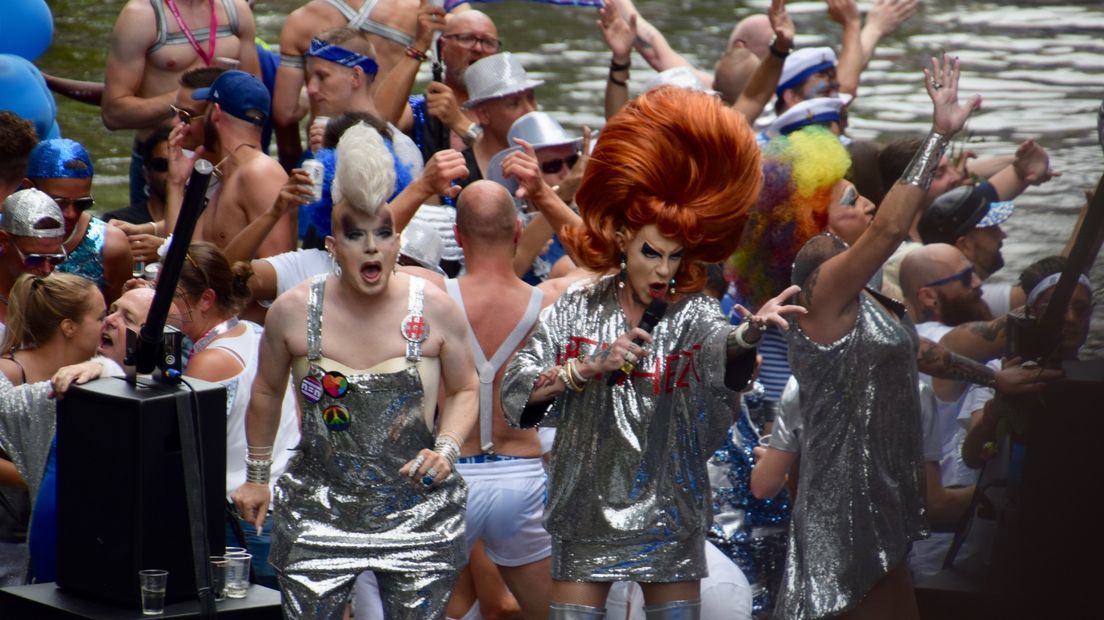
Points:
(209, 56)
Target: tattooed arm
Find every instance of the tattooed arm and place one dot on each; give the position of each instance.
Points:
(951, 373)
(653, 46)
(979, 340)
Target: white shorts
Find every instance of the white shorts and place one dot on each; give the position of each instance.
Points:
(506, 509)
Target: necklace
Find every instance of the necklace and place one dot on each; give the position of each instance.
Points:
(216, 331)
(208, 56)
(218, 168)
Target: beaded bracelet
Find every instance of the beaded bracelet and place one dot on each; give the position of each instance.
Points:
(416, 54)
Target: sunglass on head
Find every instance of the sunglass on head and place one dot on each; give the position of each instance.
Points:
(553, 166)
(185, 116)
(158, 164)
(469, 41)
(34, 261)
(80, 204)
(965, 277)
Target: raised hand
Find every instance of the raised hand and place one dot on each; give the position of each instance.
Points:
(525, 167)
(618, 32)
(431, 19)
(1032, 164)
(843, 11)
(782, 24)
(949, 116)
(446, 166)
(296, 192)
(771, 313)
(441, 103)
(886, 16)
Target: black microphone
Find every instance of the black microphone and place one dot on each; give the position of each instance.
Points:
(652, 314)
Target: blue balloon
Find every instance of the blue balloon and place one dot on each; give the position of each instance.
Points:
(24, 92)
(26, 28)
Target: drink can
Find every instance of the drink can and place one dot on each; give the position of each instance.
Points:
(317, 172)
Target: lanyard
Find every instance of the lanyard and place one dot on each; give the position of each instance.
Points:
(209, 56)
(213, 333)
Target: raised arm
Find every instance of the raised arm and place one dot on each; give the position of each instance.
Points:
(122, 107)
(760, 88)
(262, 187)
(436, 179)
(395, 87)
(831, 290)
(295, 193)
(850, 64)
(653, 46)
(884, 18)
(619, 35)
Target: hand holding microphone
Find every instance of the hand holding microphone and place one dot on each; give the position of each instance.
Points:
(652, 315)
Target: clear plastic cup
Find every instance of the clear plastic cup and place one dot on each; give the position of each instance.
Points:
(153, 583)
(237, 574)
(218, 576)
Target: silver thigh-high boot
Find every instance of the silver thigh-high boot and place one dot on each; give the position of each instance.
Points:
(675, 610)
(571, 611)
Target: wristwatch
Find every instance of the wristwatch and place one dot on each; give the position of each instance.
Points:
(472, 135)
(775, 51)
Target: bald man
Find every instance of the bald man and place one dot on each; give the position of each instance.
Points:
(502, 465)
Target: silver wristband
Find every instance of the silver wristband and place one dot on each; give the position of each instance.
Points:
(448, 448)
(923, 165)
(258, 471)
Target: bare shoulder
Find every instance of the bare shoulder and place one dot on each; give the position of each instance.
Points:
(289, 307)
(136, 26)
(440, 308)
(115, 240)
(11, 371)
(305, 22)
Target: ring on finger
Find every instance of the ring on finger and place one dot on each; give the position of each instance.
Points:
(936, 85)
(415, 465)
(630, 357)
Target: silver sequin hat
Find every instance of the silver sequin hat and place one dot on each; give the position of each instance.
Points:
(496, 76)
(540, 130)
(32, 213)
(421, 243)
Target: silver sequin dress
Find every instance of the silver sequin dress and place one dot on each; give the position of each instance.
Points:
(629, 496)
(342, 508)
(860, 496)
(27, 426)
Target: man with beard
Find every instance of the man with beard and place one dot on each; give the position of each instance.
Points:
(942, 290)
(249, 180)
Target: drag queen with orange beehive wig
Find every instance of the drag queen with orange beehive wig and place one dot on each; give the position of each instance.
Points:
(629, 499)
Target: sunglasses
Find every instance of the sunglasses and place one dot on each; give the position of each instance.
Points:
(158, 164)
(469, 41)
(34, 261)
(80, 204)
(185, 116)
(553, 166)
(964, 277)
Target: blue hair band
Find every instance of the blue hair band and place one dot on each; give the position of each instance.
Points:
(342, 56)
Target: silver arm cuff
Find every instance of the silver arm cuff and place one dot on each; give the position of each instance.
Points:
(293, 61)
(922, 167)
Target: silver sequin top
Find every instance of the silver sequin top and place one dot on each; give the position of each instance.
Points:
(860, 497)
(629, 461)
(28, 420)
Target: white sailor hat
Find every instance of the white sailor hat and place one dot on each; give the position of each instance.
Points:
(805, 113)
(683, 77)
(802, 63)
(496, 76)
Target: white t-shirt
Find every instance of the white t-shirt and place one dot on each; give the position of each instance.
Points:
(294, 267)
(998, 297)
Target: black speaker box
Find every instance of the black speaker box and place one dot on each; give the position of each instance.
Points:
(121, 497)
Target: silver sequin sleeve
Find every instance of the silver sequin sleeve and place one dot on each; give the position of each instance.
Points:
(28, 421)
(649, 436)
(786, 431)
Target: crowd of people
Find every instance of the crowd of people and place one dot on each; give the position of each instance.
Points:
(722, 361)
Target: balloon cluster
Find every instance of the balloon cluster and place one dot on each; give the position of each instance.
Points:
(26, 30)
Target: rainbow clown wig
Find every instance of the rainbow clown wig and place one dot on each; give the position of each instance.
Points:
(799, 172)
(672, 157)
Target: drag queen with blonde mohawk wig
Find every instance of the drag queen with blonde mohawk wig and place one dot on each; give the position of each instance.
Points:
(666, 190)
(372, 487)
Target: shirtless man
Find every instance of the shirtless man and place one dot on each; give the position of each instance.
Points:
(389, 24)
(502, 465)
(150, 48)
(250, 181)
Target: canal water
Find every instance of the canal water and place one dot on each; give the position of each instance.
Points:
(1039, 66)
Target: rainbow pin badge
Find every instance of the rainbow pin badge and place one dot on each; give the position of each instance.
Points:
(337, 418)
(335, 384)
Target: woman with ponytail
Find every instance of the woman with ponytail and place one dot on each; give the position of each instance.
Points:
(211, 292)
(53, 328)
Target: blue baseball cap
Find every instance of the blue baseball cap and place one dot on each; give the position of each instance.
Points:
(240, 95)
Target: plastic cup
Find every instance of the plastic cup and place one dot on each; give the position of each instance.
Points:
(218, 576)
(764, 441)
(152, 583)
(237, 574)
(230, 550)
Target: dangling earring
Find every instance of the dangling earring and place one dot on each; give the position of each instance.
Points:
(335, 268)
(671, 287)
(621, 275)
